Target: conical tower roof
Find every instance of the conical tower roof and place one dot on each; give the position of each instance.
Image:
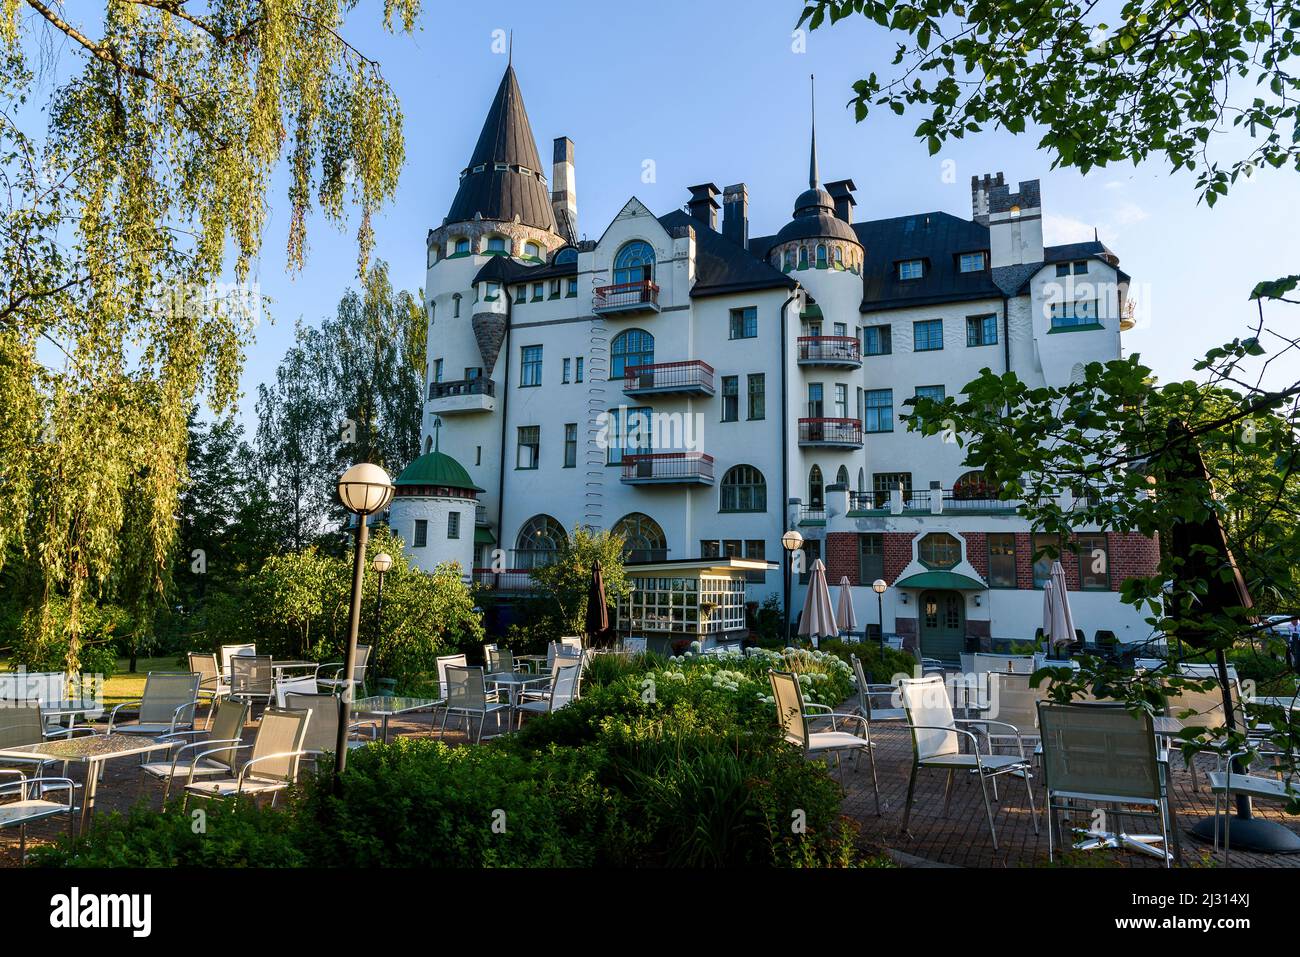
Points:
(502, 194)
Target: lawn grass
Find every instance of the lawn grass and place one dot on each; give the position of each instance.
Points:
(124, 686)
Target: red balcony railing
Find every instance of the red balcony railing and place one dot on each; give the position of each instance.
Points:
(837, 349)
(668, 467)
(830, 431)
(626, 295)
(693, 375)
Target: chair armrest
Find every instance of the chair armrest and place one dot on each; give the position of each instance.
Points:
(68, 732)
(338, 667)
(52, 783)
(112, 715)
(1020, 744)
(243, 772)
(194, 762)
(15, 772)
(949, 728)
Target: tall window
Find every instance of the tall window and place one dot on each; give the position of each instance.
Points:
(981, 330)
(757, 396)
(1047, 549)
(635, 262)
(841, 400)
(927, 335)
(1094, 562)
(565, 365)
(803, 257)
(455, 305)
(629, 433)
(939, 550)
(743, 323)
(538, 543)
(437, 370)
(571, 445)
(816, 402)
(971, 262)
(634, 347)
(878, 410)
(842, 478)
(877, 341)
(884, 483)
(816, 488)
(530, 366)
(421, 533)
(577, 369)
(730, 398)
(453, 525)
(643, 539)
(911, 269)
(871, 557)
(529, 450)
(821, 256)
(743, 489)
(1002, 560)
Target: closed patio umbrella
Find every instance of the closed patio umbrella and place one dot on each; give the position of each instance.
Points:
(844, 607)
(597, 610)
(1062, 622)
(818, 620)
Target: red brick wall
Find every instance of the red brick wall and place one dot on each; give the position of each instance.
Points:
(842, 557)
(1131, 556)
(1024, 560)
(898, 553)
(977, 552)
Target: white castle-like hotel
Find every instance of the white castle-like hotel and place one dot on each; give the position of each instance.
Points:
(702, 390)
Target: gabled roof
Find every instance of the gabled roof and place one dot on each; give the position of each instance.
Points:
(723, 266)
(502, 195)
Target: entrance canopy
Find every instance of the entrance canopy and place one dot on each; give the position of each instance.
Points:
(941, 580)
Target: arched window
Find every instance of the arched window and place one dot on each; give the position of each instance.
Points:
(803, 257)
(862, 481)
(635, 262)
(816, 488)
(789, 259)
(743, 489)
(842, 477)
(939, 550)
(973, 485)
(532, 251)
(635, 347)
(497, 244)
(461, 245)
(839, 256)
(539, 541)
(643, 539)
(821, 255)
(455, 304)
(567, 255)
(428, 445)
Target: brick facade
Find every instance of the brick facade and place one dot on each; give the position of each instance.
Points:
(1131, 556)
(898, 553)
(842, 557)
(977, 552)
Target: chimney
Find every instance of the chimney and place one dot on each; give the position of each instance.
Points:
(1015, 222)
(564, 190)
(980, 187)
(703, 205)
(842, 193)
(735, 214)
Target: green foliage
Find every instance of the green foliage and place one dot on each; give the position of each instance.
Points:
(1146, 78)
(879, 664)
(766, 622)
(566, 581)
(42, 645)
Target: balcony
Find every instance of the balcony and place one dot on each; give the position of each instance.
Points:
(668, 468)
(629, 297)
(841, 352)
(463, 395)
(830, 433)
(516, 580)
(692, 377)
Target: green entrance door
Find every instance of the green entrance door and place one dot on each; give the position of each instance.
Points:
(943, 625)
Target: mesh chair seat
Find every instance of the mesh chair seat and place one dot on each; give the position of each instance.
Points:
(153, 728)
(835, 740)
(990, 762)
(229, 787)
(13, 813)
(205, 767)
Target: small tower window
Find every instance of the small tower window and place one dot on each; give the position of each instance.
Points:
(455, 306)
(789, 259)
(803, 257)
(532, 251)
(821, 256)
(462, 246)
(496, 244)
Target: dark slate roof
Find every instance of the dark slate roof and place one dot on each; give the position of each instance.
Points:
(505, 270)
(722, 266)
(814, 218)
(1018, 283)
(502, 195)
(937, 238)
(1072, 251)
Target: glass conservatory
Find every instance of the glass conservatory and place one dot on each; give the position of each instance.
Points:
(696, 600)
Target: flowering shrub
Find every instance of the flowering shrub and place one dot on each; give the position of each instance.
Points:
(823, 678)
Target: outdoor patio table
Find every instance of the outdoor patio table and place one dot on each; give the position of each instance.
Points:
(92, 750)
(385, 707)
(514, 682)
(534, 662)
(70, 708)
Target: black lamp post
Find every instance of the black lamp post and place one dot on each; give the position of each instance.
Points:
(878, 586)
(364, 490)
(791, 541)
(381, 563)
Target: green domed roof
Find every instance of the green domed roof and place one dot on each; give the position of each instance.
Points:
(437, 468)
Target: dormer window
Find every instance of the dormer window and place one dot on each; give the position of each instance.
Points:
(462, 246)
(911, 269)
(532, 251)
(496, 244)
(501, 167)
(1078, 268)
(480, 167)
(971, 262)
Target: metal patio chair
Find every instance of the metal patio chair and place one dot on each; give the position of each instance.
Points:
(468, 697)
(793, 718)
(323, 730)
(225, 726)
(213, 684)
(565, 682)
(27, 809)
(1104, 754)
(276, 756)
(168, 705)
(252, 679)
(936, 743)
(337, 682)
(876, 702)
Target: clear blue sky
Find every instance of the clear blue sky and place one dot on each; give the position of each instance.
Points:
(713, 92)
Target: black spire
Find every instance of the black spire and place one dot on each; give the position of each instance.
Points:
(502, 194)
(812, 161)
